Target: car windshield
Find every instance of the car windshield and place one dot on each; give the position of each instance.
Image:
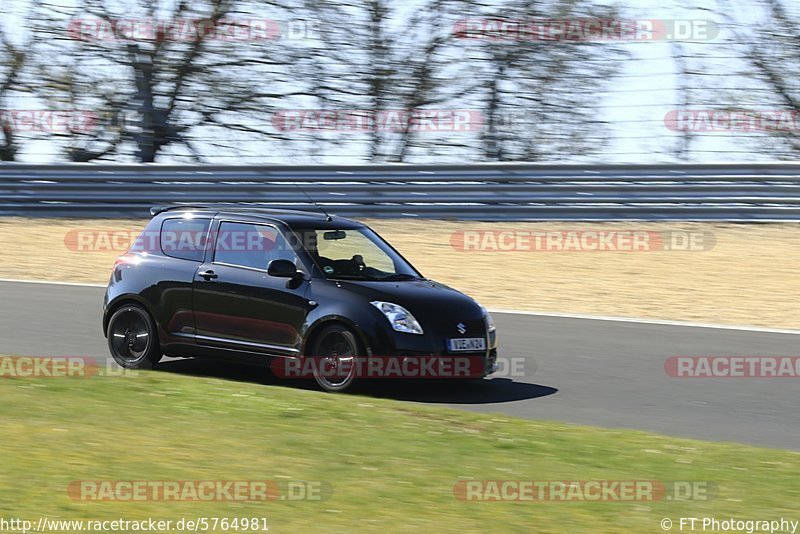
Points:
(355, 254)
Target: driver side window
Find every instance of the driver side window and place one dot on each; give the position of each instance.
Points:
(251, 245)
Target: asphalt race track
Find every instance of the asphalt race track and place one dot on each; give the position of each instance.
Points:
(584, 371)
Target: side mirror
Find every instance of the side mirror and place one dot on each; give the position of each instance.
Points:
(283, 269)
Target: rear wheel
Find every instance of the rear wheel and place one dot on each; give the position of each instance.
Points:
(335, 351)
(132, 338)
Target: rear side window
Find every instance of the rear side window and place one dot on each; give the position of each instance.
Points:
(184, 238)
(251, 245)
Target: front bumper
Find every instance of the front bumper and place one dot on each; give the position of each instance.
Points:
(382, 341)
(458, 365)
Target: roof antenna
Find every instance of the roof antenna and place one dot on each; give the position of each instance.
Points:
(320, 208)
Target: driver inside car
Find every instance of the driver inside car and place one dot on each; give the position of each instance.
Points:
(328, 265)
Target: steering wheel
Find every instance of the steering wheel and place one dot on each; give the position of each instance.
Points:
(352, 266)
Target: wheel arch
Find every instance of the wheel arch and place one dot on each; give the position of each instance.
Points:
(121, 301)
(324, 322)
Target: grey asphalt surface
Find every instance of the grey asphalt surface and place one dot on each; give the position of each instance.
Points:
(584, 371)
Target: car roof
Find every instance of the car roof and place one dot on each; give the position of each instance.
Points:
(292, 218)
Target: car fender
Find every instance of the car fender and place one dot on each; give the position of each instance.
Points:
(321, 322)
(125, 297)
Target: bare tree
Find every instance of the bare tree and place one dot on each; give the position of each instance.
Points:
(197, 97)
(14, 57)
(522, 92)
(683, 147)
(194, 80)
(776, 55)
(769, 55)
(539, 95)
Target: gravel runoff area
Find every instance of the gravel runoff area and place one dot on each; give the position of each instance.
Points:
(717, 273)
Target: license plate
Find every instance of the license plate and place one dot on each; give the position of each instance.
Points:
(466, 344)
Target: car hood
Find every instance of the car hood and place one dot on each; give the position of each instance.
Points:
(425, 299)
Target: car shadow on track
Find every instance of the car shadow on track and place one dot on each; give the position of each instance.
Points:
(489, 391)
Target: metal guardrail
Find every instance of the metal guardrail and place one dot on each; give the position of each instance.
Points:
(720, 192)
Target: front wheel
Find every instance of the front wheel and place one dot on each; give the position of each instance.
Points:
(132, 338)
(335, 352)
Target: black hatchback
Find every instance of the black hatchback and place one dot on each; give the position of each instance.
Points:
(309, 295)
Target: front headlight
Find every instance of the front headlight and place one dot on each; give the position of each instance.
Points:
(489, 320)
(399, 317)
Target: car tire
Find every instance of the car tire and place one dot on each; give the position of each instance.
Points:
(133, 338)
(335, 347)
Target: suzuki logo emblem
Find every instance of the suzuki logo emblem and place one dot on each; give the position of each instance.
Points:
(461, 328)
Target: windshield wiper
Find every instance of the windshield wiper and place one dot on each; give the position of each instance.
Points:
(391, 278)
(350, 277)
(400, 276)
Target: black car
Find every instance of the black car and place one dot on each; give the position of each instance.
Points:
(306, 293)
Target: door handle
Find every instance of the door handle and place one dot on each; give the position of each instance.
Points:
(208, 275)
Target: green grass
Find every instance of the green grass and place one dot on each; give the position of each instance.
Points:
(392, 465)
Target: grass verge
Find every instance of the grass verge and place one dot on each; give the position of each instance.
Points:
(392, 466)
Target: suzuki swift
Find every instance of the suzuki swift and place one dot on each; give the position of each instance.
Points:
(263, 286)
